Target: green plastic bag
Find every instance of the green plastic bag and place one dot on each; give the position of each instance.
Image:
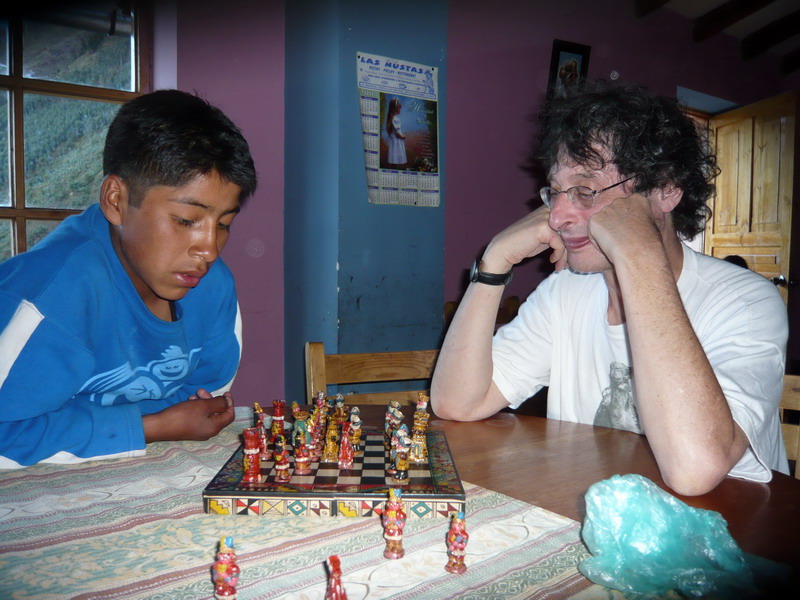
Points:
(645, 541)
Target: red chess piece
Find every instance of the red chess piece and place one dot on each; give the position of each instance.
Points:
(252, 455)
(225, 572)
(346, 451)
(335, 588)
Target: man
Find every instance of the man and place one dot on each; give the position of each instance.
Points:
(634, 329)
(122, 326)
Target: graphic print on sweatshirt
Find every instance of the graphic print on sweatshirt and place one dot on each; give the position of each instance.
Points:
(158, 379)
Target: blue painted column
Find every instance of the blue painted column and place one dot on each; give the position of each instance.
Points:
(359, 277)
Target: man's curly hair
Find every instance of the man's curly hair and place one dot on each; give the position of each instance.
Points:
(648, 138)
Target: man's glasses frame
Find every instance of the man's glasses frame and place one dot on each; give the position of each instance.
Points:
(580, 196)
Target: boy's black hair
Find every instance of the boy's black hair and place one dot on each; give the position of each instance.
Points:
(649, 138)
(169, 137)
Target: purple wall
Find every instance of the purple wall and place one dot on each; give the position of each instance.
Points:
(498, 57)
(232, 54)
(498, 60)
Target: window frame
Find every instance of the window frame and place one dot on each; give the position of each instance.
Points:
(16, 85)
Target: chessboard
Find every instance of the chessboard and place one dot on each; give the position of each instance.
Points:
(433, 488)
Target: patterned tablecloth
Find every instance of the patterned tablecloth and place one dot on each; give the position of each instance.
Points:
(135, 528)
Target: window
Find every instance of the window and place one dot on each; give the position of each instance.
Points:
(64, 71)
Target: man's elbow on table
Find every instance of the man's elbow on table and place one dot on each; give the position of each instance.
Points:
(457, 408)
(696, 476)
(699, 466)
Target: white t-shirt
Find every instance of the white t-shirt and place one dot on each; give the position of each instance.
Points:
(562, 338)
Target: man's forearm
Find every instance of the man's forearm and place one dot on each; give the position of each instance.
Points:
(461, 384)
(680, 403)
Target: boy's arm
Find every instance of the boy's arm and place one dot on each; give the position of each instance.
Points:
(73, 433)
(200, 417)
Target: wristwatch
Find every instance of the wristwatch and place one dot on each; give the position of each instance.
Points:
(475, 274)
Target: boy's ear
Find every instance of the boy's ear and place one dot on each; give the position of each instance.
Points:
(113, 199)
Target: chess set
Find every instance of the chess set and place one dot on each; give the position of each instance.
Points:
(431, 487)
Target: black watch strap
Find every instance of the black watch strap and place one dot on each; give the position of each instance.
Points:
(476, 275)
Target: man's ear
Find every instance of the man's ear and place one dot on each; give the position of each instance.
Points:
(114, 199)
(668, 198)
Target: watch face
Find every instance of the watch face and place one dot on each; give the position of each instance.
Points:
(473, 271)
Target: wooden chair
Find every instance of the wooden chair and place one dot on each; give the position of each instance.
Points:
(506, 312)
(323, 370)
(790, 400)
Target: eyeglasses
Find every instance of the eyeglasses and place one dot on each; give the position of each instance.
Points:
(581, 196)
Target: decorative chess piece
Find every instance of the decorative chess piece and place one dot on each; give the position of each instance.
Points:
(394, 521)
(281, 460)
(302, 457)
(346, 452)
(225, 572)
(402, 447)
(278, 408)
(331, 451)
(355, 436)
(392, 420)
(340, 411)
(263, 423)
(457, 539)
(335, 589)
(419, 446)
(251, 464)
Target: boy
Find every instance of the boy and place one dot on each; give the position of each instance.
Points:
(122, 326)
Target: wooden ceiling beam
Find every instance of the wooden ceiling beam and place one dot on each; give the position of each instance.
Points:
(724, 16)
(642, 8)
(770, 35)
(790, 62)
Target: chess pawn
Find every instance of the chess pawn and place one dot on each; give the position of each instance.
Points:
(457, 539)
(392, 420)
(278, 414)
(302, 457)
(394, 521)
(331, 451)
(419, 445)
(354, 412)
(320, 403)
(302, 427)
(346, 452)
(225, 571)
(422, 401)
(399, 433)
(335, 589)
(317, 439)
(355, 436)
(281, 460)
(251, 464)
(400, 475)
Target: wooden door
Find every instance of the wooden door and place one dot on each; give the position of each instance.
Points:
(752, 208)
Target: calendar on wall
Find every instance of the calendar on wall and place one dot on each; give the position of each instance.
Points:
(400, 130)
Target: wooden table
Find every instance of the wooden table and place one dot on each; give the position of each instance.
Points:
(552, 463)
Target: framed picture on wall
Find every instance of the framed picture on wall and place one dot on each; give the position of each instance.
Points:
(569, 64)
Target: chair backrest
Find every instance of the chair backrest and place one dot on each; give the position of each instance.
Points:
(790, 400)
(323, 370)
(506, 312)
